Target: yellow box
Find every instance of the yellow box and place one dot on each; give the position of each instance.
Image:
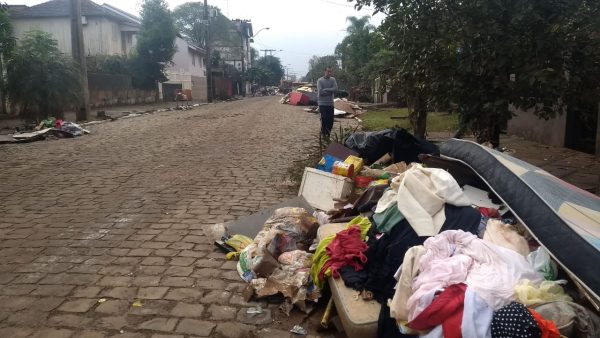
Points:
(357, 161)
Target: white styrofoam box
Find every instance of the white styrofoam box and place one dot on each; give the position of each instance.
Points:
(320, 188)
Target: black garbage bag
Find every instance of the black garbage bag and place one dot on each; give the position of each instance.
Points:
(403, 146)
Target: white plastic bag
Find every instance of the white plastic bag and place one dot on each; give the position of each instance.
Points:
(542, 263)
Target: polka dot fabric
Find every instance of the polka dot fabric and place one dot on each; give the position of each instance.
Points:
(514, 321)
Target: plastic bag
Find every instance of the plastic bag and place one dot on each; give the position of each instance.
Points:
(288, 229)
(322, 217)
(238, 242)
(244, 265)
(371, 145)
(404, 146)
(529, 294)
(542, 263)
(297, 258)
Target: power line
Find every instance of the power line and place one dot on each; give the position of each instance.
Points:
(337, 4)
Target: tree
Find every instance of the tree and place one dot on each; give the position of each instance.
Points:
(486, 56)
(7, 44)
(355, 51)
(189, 21)
(156, 44)
(317, 65)
(271, 68)
(256, 75)
(42, 81)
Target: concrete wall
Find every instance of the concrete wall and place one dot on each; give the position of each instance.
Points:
(112, 90)
(100, 35)
(529, 126)
(199, 89)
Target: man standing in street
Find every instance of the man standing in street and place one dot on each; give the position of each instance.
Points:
(326, 88)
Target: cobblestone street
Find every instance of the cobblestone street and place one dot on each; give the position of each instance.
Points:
(92, 227)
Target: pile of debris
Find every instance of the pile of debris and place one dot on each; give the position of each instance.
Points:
(50, 127)
(342, 108)
(401, 235)
(301, 96)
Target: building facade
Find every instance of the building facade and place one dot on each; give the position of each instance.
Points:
(106, 29)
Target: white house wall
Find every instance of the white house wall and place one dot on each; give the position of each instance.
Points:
(100, 36)
(188, 69)
(60, 28)
(196, 67)
(181, 62)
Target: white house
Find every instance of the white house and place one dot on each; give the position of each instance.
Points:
(188, 72)
(106, 30)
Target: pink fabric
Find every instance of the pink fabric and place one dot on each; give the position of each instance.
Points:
(456, 256)
(347, 248)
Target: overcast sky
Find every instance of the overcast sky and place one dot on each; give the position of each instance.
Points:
(300, 29)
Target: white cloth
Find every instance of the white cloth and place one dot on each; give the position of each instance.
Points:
(456, 256)
(421, 194)
(503, 235)
(436, 332)
(410, 265)
(477, 316)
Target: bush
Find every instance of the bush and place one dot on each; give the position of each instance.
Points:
(42, 81)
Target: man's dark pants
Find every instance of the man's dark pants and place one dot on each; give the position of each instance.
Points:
(326, 119)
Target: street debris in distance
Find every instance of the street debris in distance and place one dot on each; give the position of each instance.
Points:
(50, 127)
(342, 107)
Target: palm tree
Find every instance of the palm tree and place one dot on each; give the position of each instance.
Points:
(354, 51)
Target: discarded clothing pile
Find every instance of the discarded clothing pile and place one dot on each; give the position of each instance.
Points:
(443, 266)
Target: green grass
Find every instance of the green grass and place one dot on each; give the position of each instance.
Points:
(380, 119)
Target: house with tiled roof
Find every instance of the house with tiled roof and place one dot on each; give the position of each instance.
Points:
(106, 30)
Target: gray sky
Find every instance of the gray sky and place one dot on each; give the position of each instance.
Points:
(300, 28)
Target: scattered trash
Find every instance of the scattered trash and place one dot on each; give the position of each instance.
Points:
(215, 232)
(276, 262)
(299, 330)
(286, 307)
(137, 303)
(254, 310)
(233, 245)
(101, 300)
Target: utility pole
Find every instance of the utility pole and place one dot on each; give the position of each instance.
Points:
(83, 111)
(243, 57)
(3, 109)
(209, 86)
(268, 50)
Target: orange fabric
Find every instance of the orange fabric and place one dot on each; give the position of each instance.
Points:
(547, 327)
